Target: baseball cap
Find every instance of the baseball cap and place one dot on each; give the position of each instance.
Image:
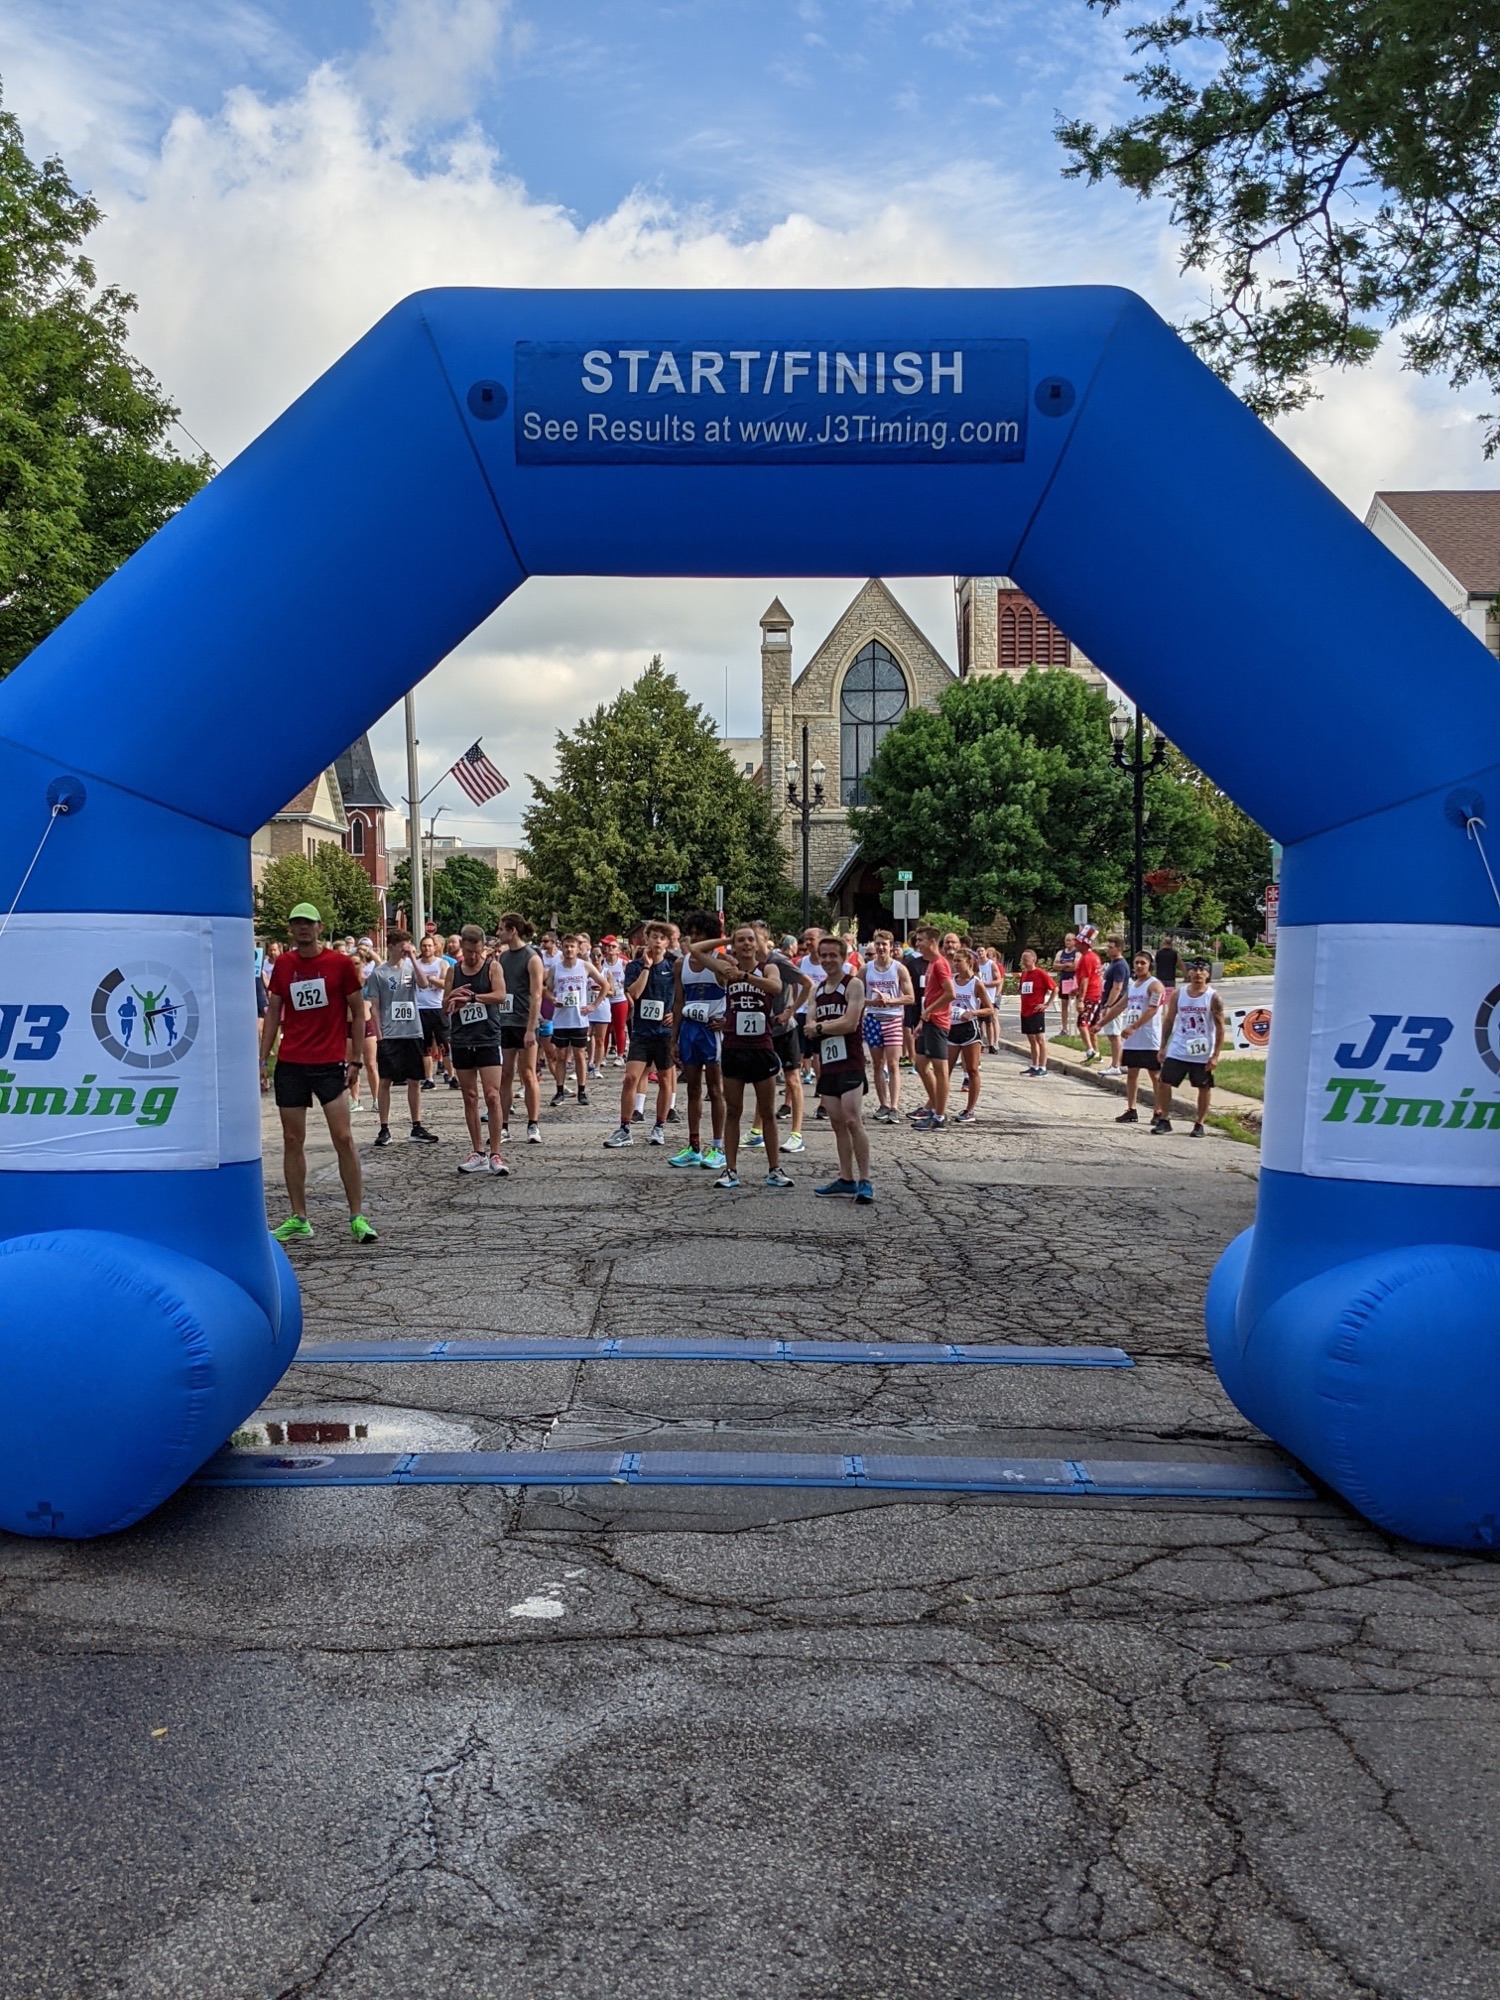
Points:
(304, 910)
(611, 939)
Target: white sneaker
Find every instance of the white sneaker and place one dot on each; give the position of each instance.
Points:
(624, 1137)
(658, 1136)
(533, 1135)
(475, 1164)
(1112, 1069)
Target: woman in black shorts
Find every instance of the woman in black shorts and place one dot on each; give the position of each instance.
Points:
(752, 994)
(835, 1018)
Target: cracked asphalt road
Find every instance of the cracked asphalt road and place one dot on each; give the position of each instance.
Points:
(827, 1746)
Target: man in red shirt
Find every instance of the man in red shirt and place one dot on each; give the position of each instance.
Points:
(934, 1020)
(1090, 976)
(316, 1005)
(1036, 988)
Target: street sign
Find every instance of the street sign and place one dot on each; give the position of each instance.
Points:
(667, 888)
(1080, 913)
(1273, 911)
(719, 897)
(903, 875)
(908, 904)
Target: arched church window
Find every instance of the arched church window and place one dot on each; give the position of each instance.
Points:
(873, 702)
(356, 835)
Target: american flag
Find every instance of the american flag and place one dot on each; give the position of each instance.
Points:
(478, 775)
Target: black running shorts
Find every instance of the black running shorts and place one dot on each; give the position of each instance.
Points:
(478, 1055)
(655, 1051)
(748, 1065)
(297, 1084)
(434, 1027)
(1174, 1071)
(399, 1060)
(1033, 1024)
(1149, 1059)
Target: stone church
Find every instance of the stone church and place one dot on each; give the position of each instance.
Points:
(873, 667)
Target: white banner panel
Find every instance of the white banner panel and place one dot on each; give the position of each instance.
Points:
(127, 1043)
(1386, 1060)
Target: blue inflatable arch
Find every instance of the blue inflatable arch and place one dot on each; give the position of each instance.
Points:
(1066, 438)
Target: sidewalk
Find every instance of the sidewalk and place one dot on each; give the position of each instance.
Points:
(1248, 1110)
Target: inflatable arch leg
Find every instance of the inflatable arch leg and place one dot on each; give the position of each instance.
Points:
(1065, 438)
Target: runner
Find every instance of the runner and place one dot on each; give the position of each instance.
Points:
(521, 973)
(1167, 963)
(971, 1009)
(1138, 1011)
(838, 1010)
(932, 1035)
(1064, 973)
(916, 972)
(752, 990)
(1193, 1029)
(432, 978)
(612, 968)
(992, 978)
(316, 1003)
(600, 1013)
(786, 1037)
(391, 996)
(698, 1007)
(1036, 988)
(573, 987)
(1116, 979)
(477, 1003)
(650, 983)
(1090, 975)
(888, 993)
(366, 958)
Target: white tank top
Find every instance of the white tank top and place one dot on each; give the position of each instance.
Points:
(599, 1015)
(1137, 1000)
(570, 988)
(883, 989)
(989, 974)
(811, 968)
(702, 996)
(965, 998)
(1193, 1030)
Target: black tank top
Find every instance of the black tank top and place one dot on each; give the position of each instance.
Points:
(483, 1023)
(830, 1002)
(747, 1015)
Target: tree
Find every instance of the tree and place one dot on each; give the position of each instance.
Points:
(1008, 794)
(645, 794)
(461, 890)
(349, 904)
(1335, 167)
(86, 474)
(288, 880)
(1229, 885)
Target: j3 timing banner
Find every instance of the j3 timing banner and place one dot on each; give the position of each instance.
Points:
(764, 402)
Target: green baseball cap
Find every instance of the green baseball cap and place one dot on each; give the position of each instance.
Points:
(303, 910)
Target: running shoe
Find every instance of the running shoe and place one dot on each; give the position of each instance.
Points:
(476, 1163)
(728, 1179)
(533, 1135)
(637, 1117)
(583, 1097)
(967, 1118)
(428, 1084)
(1197, 1133)
(808, 1079)
(864, 1193)
(688, 1157)
(658, 1136)
(1112, 1069)
(713, 1159)
(793, 1143)
(293, 1229)
(1090, 1056)
(594, 1070)
(785, 1111)
(672, 1116)
(930, 1122)
(1161, 1128)
(1130, 1117)
(624, 1137)
(498, 1167)
(1030, 1070)
(360, 1230)
(846, 1188)
(755, 1138)
(561, 1097)
(420, 1136)
(505, 1135)
(778, 1181)
(383, 1136)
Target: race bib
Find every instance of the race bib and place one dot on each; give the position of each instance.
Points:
(699, 1010)
(308, 993)
(1198, 1048)
(1130, 1020)
(473, 1014)
(652, 1010)
(749, 1026)
(403, 1012)
(502, 1006)
(833, 1048)
(959, 1011)
(1069, 986)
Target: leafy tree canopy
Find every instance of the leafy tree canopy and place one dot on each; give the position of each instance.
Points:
(1335, 166)
(463, 890)
(86, 474)
(1007, 796)
(333, 882)
(644, 794)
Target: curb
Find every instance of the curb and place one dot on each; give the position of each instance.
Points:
(1248, 1108)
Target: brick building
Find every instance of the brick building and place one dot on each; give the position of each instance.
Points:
(365, 808)
(1003, 631)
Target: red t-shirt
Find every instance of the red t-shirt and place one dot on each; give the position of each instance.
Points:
(1089, 975)
(1036, 990)
(939, 974)
(314, 1005)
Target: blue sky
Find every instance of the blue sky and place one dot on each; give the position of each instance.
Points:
(277, 174)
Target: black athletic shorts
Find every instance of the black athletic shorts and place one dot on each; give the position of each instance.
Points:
(787, 1043)
(962, 1033)
(297, 1084)
(434, 1027)
(1033, 1024)
(1174, 1070)
(655, 1051)
(570, 1038)
(839, 1082)
(932, 1042)
(749, 1065)
(1141, 1059)
(478, 1055)
(399, 1060)
(512, 1038)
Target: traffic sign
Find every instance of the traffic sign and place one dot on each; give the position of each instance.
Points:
(908, 904)
(667, 888)
(1273, 910)
(903, 874)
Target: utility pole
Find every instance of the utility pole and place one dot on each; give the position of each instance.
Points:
(414, 826)
(804, 803)
(1139, 767)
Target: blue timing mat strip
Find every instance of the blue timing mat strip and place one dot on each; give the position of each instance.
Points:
(646, 1348)
(1119, 1478)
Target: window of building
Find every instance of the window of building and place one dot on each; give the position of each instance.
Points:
(1028, 638)
(356, 836)
(873, 702)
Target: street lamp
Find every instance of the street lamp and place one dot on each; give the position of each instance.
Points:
(1138, 767)
(804, 805)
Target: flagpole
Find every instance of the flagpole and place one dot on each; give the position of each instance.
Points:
(414, 826)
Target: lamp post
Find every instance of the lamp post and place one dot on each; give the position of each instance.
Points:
(804, 805)
(1138, 767)
(431, 865)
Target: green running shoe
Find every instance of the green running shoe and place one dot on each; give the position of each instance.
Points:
(688, 1157)
(295, 1227)
(360, 1230)
(714, 1160)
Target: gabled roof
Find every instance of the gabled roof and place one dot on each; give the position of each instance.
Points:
(325, 811)
(359, 781)
(876, 587)
(1461, 529)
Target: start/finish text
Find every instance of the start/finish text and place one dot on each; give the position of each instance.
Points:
(696, 402)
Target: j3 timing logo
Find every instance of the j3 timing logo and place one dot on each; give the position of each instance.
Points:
(144, 1017)
(1411, 1045)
